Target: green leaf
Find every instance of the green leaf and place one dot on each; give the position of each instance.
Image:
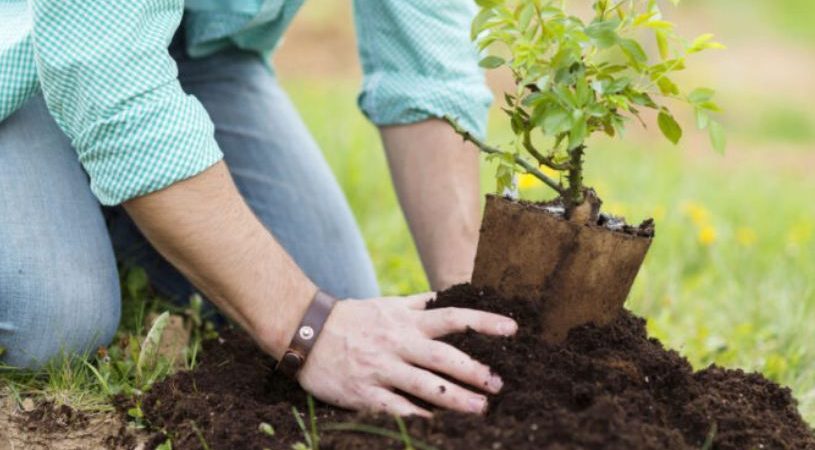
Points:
(617, 85)
(660, 25)
(701, 95)
(166, 445)
(642, 99)
(710, 106)
(662, 44)
(633, 50)
(717, 136)
(596, 110)
(517, 123)
(556, 121)
(582, 91)
(525, 15)
(578, 133)
(702, 118)
(492, 62)
(266, 429)
(150, 345)
(488, 3)
(135, 412)
(704, 42)
(504, 179)
(477, 25)
(669, 127)
(667, 87)
(603, 32)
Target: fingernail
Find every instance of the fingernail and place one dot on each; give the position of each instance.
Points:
(477, 404)
(507, 328)
(495, 383)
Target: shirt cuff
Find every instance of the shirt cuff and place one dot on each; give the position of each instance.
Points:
(148, 145)
(393, 98)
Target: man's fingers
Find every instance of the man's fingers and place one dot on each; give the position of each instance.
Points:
(438, 391)
(448, 360)
(440, 322)
(391, 403)
(418, 301)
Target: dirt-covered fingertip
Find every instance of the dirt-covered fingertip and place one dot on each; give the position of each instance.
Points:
(506, 327)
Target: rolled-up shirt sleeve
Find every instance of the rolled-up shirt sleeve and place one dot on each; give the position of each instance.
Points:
(419, 63)
(111, 85)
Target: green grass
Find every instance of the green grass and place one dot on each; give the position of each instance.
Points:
(742, 298)
(127, 367)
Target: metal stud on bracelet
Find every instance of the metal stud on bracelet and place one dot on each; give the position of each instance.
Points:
(307, 333)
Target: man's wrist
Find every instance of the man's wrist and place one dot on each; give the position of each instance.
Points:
(274, 330)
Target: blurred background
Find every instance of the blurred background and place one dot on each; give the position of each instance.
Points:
(731, 276)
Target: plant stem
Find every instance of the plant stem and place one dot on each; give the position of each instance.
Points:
(574, 193)
(543, 160)
(529, 168)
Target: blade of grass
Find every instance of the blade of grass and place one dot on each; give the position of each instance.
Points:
(200, 435)
(315, 435)
(102, 381)
(708, 445)
(403, 430)
(376, 431)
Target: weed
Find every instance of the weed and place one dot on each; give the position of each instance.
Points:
(200, 435)
(311, 434)
(266, 429)
(708, 445)
(401, 436)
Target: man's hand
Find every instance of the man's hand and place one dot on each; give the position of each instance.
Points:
(369, 348)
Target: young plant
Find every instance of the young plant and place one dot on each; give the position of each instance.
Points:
(575, 78)
(311, 434)
(402, 436)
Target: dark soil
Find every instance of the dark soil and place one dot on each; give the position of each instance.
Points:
(603, 388)
(556, 207)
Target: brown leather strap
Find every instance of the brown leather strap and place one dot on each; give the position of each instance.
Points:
(306, 334)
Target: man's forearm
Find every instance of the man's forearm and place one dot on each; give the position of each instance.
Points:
(436, 178)
(203, 226)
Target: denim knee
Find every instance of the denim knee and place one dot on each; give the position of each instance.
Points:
(45, 315)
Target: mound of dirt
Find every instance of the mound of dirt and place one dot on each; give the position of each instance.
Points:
(603, 388)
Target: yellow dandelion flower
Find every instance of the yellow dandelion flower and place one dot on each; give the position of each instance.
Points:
(746, 237)
(698, 214)
(707, 235)
(800, 233)
(527, 181)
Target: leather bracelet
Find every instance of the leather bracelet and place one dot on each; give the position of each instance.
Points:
(306, 335)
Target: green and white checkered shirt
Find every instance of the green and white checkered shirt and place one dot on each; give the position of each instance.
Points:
(109, 82)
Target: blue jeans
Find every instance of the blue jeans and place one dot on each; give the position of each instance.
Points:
(59, 287)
